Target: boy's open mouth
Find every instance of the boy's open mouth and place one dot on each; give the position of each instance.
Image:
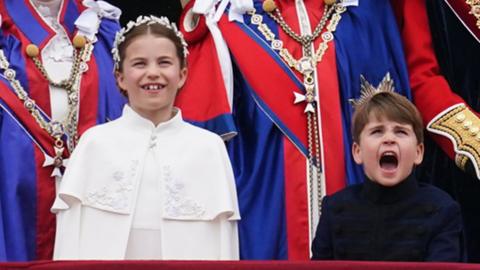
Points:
(388, 161)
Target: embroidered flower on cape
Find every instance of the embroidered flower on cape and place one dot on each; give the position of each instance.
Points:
(177, 204)
(116, 195)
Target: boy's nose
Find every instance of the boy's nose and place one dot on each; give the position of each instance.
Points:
(389, 138)
(389, 142)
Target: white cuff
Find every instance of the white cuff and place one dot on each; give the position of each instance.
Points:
(89, 21)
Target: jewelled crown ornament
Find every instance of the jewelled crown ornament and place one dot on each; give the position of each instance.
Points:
(148, 20)
(367, 91)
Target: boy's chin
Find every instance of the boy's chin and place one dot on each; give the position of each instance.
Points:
(390, 178)
(388, 182)
(387, 179)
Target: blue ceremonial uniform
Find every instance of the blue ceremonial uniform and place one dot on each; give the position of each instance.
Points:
(270, 151)
(27, 187)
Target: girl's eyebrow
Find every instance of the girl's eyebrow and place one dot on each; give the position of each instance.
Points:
(165, 56)
(136, 58)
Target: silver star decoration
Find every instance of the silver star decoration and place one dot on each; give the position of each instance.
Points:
(50, 161)
(302, 98)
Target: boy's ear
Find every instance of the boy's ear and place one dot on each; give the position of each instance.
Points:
(419, 156)
(356, 153)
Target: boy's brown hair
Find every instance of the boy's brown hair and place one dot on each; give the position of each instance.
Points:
(393, 107)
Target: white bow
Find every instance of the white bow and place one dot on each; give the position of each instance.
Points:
(89, 21)
(237, 8)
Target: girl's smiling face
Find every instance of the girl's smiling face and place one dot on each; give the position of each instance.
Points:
(151, 74)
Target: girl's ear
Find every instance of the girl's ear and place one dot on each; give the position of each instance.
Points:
(120, 79)
(183, 77)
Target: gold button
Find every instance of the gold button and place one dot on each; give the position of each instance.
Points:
(467, 124)
(460, 118)
(32, 50)
(79, 41)
(329, 2)
(474, 131)
(269, 5)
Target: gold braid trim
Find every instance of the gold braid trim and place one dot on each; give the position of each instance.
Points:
(461, 161)
(474, 10)
(462, 126)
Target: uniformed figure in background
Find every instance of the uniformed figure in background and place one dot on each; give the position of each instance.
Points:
(56, 81)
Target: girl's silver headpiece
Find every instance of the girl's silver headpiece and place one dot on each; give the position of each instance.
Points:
(120, 36)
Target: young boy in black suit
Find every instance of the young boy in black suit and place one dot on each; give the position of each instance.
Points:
(390, 216)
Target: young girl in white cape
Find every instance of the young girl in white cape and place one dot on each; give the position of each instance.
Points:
(148, 185)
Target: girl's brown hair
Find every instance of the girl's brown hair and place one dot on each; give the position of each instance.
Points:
(154, 29)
